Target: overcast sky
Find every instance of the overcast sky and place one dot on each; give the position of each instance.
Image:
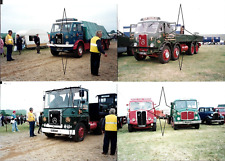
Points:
(208, 94)
(203, 16)
(23, 95)
(30, 14)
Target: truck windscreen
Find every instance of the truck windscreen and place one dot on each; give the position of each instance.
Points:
(61, 27)
(147, 27)
(140, 106)
(185, 104)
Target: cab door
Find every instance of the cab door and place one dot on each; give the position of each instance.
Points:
(77, 32)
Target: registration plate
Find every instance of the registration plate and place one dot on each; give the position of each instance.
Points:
(59, 49)
(187, 122)
(54, 130)
(143, 53)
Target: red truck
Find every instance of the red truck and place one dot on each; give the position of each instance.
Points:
(141, 114)
(221, 110)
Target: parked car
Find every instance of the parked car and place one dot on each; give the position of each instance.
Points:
(221, 110)
(210, 115)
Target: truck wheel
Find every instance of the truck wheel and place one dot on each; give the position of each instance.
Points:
(139, 57)
(54, 53)
(80, 132)
(98, 130)
(221, 123)
(79, 51)
(176, 52)
(175, 127)
(49, 135)
(208, 122)
(165, 55)
(130, 128)
(169, 120)
(130, 51)
(196, 48)
(106, 46)
(191, 49)
(197, 126)
(154, 127)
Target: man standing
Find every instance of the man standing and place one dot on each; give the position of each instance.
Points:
(14, 122)
(96, 50)
(31, 120)
(9, 43)
(37, 42)
(110, 124)
(40, 122)
(19, 43)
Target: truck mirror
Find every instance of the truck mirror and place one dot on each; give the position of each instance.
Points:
(126, 104)
(43, 98)
(81, 93)
(171, 103)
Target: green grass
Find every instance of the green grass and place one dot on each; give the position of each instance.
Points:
(22, 128)
(207, 65)
(206, 143)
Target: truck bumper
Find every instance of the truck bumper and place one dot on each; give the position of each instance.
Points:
(187, 122)
(61, 45)
(217, 120)
(58, 131)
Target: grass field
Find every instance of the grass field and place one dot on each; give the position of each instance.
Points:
(206, 143)
(22, 128)
(207, 65)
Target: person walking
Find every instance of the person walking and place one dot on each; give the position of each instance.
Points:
(9, 43)
(40, 122)
(2, 119)
(14, 122)
(37, 42)
(1, 46)
(96, 50)
(110, 129)
(31, 120)
(19, 43)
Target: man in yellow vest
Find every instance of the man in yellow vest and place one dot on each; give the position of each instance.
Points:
(31, 120)
(110, 129)
(96, 50)
(9, 44)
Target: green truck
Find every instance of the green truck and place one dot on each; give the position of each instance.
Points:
(184, 112)
(161, 39)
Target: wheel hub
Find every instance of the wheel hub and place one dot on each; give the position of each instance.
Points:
(167, 54)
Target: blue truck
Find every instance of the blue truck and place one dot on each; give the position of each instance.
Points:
(71, 35)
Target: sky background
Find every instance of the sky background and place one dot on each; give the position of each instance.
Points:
(23, 95)
(208, 94)
(203, 16)
(41, 14)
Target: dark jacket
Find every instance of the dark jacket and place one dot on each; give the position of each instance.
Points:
(40, 119)
(37, 40)
(19, 43)
(99, 45)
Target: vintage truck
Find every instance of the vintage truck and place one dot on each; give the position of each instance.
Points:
(155, 38)
(221, 110)
(210, 115)
(141, 114)
(67, 112)
(71, 35)
(184, 112)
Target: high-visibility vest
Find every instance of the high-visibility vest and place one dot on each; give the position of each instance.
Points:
(111, 123)
(8, 40)
(31, 117)
(93, 45)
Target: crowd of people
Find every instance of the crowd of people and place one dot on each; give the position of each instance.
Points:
(19, 44)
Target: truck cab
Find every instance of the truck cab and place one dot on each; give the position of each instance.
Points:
(210, 115)
(141, 114)
(184, 112)
(66, 112)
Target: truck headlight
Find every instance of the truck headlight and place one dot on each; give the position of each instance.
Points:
(135, 44)
(196, 118)
(133, 119)
(152, 45)
(44, 119)
(51, 42)
(178, 113)
(178, 118)
(149, 118)
(212, 115)
(66, 37)
(67, 43)
(67, 119)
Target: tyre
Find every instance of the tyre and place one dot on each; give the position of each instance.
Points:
(80, 132)
(106, 46)
(139, 57)
(165, 55)
(196, 48)
(176, 52)
(130, 128)
(191, 49)
(175, 127)
(221, 123)
(154, 127)
(169, 120)
(130, 51)
(54, 53)
(49, 135)
(98, 130)
(197, 126)
(208, 122)
(79, 51)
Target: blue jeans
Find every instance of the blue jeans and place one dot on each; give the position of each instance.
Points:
(9, 52)
(14, 126)
(32, 123)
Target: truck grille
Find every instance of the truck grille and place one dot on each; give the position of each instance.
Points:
(59, 38)
(143, 42)
(141, 117)
(187, 115)
(54, 118)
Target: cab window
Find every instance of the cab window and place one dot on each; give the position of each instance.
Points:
(201, 110)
